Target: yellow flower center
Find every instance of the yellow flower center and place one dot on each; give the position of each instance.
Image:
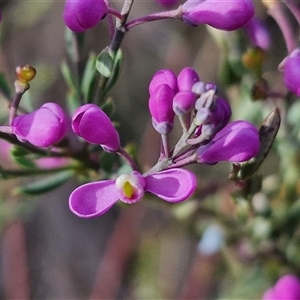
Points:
(128, 190)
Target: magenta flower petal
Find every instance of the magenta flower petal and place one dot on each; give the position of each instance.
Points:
(160, 106)
(236, 142)
(93, 199)
(164, 76)
(287, 287)
(42, 127)
(92, 124)
(224, 15)
(81, 15)
(184, 102)
(167, 3)
(174, 185)
(186, 79)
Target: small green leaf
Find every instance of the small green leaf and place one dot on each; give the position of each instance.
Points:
(19, 151)
(105, 63)
(267, 134)
(67, 74)
(115, 71)
(46, 184)
(89, 79)
(107, 161)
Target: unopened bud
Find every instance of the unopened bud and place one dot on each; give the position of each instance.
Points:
(25, 74)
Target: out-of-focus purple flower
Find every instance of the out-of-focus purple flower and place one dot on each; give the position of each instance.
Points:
(95, 198)
(186, 79)
(291, 71)
(81, 15)
(258, 33)
(225, 15)
(42, 127)
(167, 3)
(160, 106)
(92, 124)
(161, 77)
(287, 287)
(238, 141)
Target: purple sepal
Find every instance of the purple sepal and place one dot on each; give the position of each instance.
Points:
(42, 127)
(224, 15)
(93, 199)
(81, 15)
(92, 124)
(236, 142)
(174, 185)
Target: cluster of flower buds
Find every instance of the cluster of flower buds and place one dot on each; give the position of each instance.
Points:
(207, 138)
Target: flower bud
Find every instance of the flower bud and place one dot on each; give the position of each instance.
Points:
(160, 106)
(224, 15)
(92, 124)
(183, 102)
(164, 76)
(43, 127)
(236, 142)
(81, 15)
(291, 71)
(167, 3)
(186, 79)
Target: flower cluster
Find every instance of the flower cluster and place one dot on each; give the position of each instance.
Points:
(207, 138)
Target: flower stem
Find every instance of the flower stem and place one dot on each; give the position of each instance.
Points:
(172, 14)
(127, 158)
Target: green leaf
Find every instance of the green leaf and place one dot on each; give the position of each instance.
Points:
(67, 74)
(19, 151)
(4, 87)
(108, 161)
(105, 63)
(89, 79)
(267, 134)
(46, 184)
(115, 71)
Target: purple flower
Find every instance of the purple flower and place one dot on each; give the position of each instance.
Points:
(287, 287)
(238, 141)
(92, 124)
(258, 33)
(224, 15)
(80, 15)
(42, 127)
(291, 71)
(160, 106)
(95, 198)
(161, 77)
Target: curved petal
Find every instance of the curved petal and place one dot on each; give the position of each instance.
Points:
(174, 185)
(93, 199)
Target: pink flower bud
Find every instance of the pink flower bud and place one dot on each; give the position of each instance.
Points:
(183, 102)
(224, 15)
(291, 71)
(186, 79)
(81, 15)
(92, 124)
(236, 142)
(43, 127)
(164, 76)
(160, 106)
